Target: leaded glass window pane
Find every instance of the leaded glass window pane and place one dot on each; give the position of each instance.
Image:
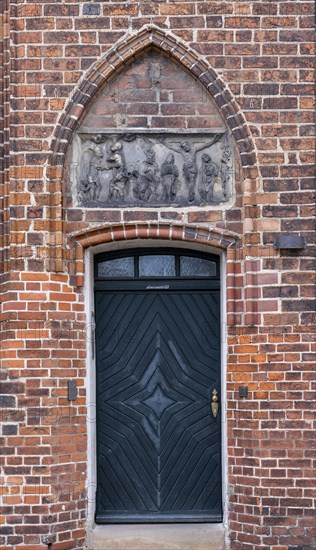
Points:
(196, 267)
(157, 266)
(120, 267)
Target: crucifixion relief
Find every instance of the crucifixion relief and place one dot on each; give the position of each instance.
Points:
(131, 169)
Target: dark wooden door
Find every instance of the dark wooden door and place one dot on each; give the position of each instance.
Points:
(158, 444)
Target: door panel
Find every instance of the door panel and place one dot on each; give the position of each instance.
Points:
(158, 452)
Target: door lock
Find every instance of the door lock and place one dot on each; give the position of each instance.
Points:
(215, 403)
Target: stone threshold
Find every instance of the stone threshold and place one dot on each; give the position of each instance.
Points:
(192, 536)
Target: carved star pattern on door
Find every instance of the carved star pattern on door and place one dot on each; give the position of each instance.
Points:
(158, 447)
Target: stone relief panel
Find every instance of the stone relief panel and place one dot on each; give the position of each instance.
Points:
(152, 169)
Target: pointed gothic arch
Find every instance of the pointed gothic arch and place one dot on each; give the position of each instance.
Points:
(120, 56)
(124, 53)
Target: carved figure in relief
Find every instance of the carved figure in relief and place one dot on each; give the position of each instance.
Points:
(190, 168)
(99, 138)
(209, 172)
(154, 169)
(90, 185)
(149, 152)
(144, 187)
(226, 165)
(116, 162)
(147, 183)
(169, 174)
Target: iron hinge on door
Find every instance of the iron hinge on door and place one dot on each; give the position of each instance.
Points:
(92, 335)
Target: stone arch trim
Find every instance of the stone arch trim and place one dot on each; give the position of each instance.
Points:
(124, 53)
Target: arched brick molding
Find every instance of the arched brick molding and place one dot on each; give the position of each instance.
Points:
(163, 231)
(121, 55)
(124, 53)
(223, 241)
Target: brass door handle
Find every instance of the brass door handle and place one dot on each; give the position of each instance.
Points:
(215, 404)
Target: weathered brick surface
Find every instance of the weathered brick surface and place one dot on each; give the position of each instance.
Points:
(4, 130)
(251, 65)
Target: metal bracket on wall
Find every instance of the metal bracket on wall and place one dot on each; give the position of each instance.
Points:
(288, 241)
(243, 391)
(72, 390)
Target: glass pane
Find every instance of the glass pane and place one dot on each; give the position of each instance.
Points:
(121, 267)
(157, 266)
(196, 267)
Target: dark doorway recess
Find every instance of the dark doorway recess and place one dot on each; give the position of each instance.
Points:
(158, 362)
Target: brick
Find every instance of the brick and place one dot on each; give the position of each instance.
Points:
(40, 23)
(29, 37)
(204, 216)
(182, 22)
(177, 9)
(99, 23)
(91, 9)
(263, 53)
(102, 216)
(82, 51)
(279, 211)
(7, 401)
(62, 37)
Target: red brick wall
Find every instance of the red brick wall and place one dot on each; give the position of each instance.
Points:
(261, 53)
(4, 130)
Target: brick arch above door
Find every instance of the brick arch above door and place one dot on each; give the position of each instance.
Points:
(221, 239)
(211, 239)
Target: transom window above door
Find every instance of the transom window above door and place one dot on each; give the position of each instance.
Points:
(144, 263)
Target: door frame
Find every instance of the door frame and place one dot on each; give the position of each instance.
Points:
(90, 381)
